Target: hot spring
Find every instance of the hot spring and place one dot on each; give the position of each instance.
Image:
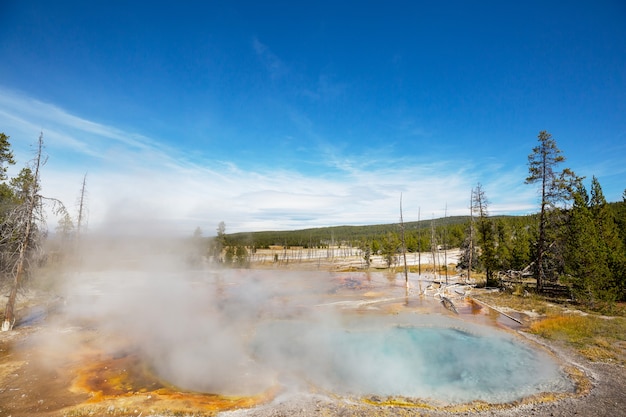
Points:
(426, 357)
(245, 332)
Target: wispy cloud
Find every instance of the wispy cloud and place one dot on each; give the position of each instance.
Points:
(137, 183)
(326, 88)
(272, 63)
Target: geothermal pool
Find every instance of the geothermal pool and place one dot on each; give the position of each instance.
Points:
(427, 357)
(248, 332)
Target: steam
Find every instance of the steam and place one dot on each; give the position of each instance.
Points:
(186, 324)
(240, 332)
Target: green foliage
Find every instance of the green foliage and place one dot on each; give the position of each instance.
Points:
(554, 188)
(594, 256)
(520, 244)
(366, 249)
(6, 156)
(24, 185)
(390, 247)
(451, 227)
(216, 245)
(485, 233)
(241, 256)
(65, 228)
(503, 248)
(236, 256)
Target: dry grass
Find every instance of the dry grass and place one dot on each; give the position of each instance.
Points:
(598, 338)
(530, 303)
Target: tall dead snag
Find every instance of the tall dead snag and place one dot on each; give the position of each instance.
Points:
(81, 208)
(80, 221)
(406, 273)
(433, 247)
(471, 237)
(445, 243)
(419, 245)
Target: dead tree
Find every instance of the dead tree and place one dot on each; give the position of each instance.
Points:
(81, 208)
(445, 243)
(406, 274)
(471, 237)
(27, 217)
(22, 228)
(433, 247)
(419, 243)
(419, 252)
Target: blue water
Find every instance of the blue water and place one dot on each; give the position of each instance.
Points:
(442, 364)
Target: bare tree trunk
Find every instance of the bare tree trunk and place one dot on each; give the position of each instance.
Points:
(471, 236)
(541, 242)
(31, 200)
(433, 245)
(81, 208)
(406, 273)
(419, 244)
(445, 248)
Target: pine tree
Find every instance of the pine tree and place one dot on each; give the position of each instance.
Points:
(520, 247)
(390, 244)
(554, 186)
(485, 232)
(6, 156)
(503, 249)
(586, 266)
(610, 244)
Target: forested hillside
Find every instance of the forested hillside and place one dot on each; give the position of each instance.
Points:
(576, 238)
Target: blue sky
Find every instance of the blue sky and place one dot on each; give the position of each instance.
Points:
(279, 115)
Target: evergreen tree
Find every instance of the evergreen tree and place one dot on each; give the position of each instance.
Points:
(390, 245)
(485, 232)
(503, 249)
(610, 245)
(468, 248)
(585, 266)
(554, 186)
(604, 220)
(520, 247)
(366, 251)
(6, 156)
(241, 256)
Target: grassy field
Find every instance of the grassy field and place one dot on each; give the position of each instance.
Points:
(595, 336)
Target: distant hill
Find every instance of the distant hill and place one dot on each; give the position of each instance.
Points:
(454, 227)
(344, 234)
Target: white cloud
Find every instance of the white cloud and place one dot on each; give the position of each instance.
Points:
(136, 183)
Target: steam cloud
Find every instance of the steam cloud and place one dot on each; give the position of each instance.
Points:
(239, 332)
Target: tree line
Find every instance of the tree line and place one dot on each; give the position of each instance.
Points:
(576, 238)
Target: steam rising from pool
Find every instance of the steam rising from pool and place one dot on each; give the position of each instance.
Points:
(429, 361)
(238, 332)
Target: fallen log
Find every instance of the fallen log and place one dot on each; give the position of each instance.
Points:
(447, 303)
(495, 309)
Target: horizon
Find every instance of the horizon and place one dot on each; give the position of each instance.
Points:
(294, 117)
